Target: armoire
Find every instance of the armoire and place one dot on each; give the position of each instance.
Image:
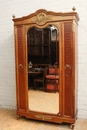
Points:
(67, 25)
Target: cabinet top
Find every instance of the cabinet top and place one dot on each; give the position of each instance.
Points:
(42, 16)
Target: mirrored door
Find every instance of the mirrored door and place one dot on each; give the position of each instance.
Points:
(43, 53)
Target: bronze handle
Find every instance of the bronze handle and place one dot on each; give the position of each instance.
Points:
(68, 66)
(20, 65)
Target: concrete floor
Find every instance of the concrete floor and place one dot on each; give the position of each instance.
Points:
(8, 121)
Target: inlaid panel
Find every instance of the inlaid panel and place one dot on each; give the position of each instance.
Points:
(21, 83)
(67, 69)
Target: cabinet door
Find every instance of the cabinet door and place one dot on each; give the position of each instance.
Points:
(20, 71)
(68, 70)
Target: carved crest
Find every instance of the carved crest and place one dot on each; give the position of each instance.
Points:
(41, 18)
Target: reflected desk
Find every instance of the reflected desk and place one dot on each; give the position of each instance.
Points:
(32, 74)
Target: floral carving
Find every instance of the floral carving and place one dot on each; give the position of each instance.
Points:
(41, 18)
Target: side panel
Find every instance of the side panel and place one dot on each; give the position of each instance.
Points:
(20, 68)
(68, 70)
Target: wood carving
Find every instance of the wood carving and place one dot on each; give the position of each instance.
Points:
(41, 18)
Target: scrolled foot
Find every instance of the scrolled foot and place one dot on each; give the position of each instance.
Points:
(72, 126)
(18, 117)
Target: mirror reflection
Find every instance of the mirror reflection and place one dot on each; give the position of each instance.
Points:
(43, 69)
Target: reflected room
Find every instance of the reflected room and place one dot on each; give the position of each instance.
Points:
(43, 69)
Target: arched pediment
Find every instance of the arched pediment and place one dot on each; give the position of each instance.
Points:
(42, 16)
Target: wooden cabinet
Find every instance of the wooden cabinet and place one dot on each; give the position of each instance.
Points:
(33, 38)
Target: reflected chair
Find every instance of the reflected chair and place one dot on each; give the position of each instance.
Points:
(52, 79)
(40, 78)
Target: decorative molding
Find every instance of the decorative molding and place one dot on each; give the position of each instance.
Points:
(43, 117)
(41, 18)
(15, 30)
(73, 25)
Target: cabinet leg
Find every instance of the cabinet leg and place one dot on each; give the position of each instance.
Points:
(72, 126)
(18, 117)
